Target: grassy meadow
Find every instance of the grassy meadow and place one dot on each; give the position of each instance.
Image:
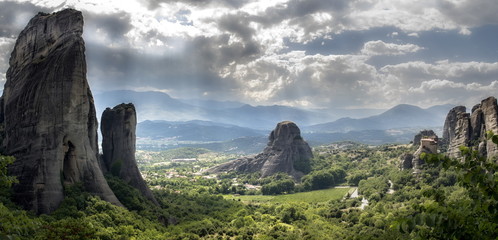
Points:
(308, 197)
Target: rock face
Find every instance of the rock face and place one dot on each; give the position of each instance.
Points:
(118, 146)
(406, 161)
(49, 115)
(463, 129)
(450, 123)
(286, 152)
(427, 145)
(424, 134)
(489, 110)
(427, 142)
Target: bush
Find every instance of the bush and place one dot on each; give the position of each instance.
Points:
(278, 187)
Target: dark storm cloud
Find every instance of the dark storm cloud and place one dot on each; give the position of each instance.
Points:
(297, 9)
(193, 72)
(14, 17)
(238, 24)
(114, 25)
(240, 51)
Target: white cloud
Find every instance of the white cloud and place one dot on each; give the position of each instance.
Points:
(243, 50)
(438, 84)
(465, 31)
(6, 46)
(374, 48)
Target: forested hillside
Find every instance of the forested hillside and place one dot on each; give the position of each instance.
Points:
(448, 199)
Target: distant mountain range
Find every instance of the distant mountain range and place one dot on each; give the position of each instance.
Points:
(160, 106)
(166, 122)
(196, 130)
(400, 116)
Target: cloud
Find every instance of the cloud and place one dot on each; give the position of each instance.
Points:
(312, 80)
(154, 4)
(262, 52)
(107, 29)
(14, 17)
(6, 46)
(425, 84)
(438, 84)
(374, 48)
(459, 71)
(469, 13)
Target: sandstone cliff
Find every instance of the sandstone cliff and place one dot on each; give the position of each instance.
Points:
(464, 129)
(427, 143)
(118, 146)
(424, 134)
(286, 152)
(49, 115)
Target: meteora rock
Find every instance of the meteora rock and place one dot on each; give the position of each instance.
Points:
(286, 152)
(469, 130)
(459, 133)
(49, 116)
(423, 134)
(406, 161)
(427, 143)
(118, 127)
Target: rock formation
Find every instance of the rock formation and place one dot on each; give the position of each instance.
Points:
(463, 129)
(286, 152)
(427, 145)
(49, 115)
(118, 146)
(424, 134)
(427, 142)
(406, 161)
(489, 110)
(450, 123)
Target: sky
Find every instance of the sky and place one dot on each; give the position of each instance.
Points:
(304, 53)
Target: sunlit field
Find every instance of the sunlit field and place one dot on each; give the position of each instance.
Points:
(309, 197)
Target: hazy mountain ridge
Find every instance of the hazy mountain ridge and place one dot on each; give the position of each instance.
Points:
(161, 106)
(195, 130)
(400, 116)
(224, 126)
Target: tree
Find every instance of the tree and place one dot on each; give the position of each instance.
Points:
(323, 179)
(6, 181)
(278, 187)
(467, 214)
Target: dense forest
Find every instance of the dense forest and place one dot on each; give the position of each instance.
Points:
(447, 199)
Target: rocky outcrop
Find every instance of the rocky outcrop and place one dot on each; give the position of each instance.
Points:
(286, 152)
(489, 110)
(464, 129)
(118, 146)
(427, 142)
(424, 134)
(49, 115)
(406, 161)
(450, 124)
(427, 145)
(462, 133)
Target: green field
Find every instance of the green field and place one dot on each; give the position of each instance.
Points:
(309, 197)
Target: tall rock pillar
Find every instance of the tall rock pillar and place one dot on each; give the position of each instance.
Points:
(118, 146)
(49, 114)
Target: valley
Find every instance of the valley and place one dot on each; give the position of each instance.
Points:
(187, 161)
